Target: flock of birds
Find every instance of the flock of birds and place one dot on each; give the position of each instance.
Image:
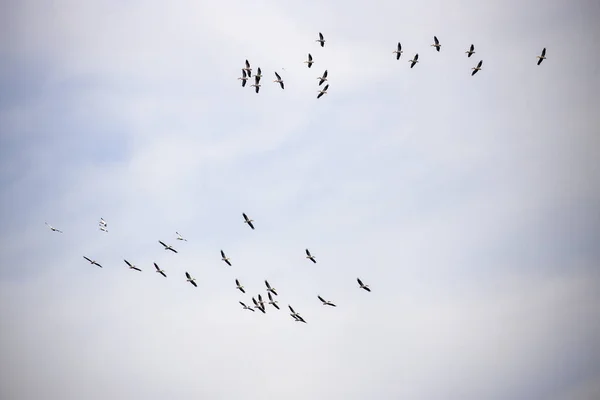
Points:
(247, 70)
(259, 303)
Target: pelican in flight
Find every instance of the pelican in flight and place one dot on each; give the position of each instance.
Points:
(295, 315)
(103, 229)
(322, 92)
(160, 271)
(261, 302)
(226, 259)
(273, 302)
(248, 221)
(270, 289)
(239, 287)
(310, 256)
(321, 40)
(325, 302)
(477, 68)
(248, 69)
(322, 78)
(414, 60)
(246, 307)
(243, 78)
(131, 266)
(542, 57)
(363, 286)
(53, 229)
(256, 83)
(92, 262)
(257, 305)
(168, 247)
(436, 43)
(179, 237)
(278, 80)
(258, 76)
(471, 51)
(190, 279)
(398, 51)
(310, 61)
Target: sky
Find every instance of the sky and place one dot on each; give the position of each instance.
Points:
(469, 204)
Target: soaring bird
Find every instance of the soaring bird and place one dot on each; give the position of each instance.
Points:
(243, 78)
(542, 57)
(248, 69)
(131, 266)
(295, 315)
(436, 43)
(270, 289)
(398, 51)
(239, 287)
(310, 256)
(471, 51)
(310, 61)
(246, 307)
(190, 279)
(326, 303)
(248, 220)
(226, 259)
(273, 302)
(257, 305)
(160, 271)
(256, 83)
(362, 286)
(53, 229)
(321, 40)
(322, 78)
(477, 68)
(168, 247)
(414, 60)
(260, 301)
(92, 262)
(179, 237)
(278, 80)
(258, 76)
(322, 92)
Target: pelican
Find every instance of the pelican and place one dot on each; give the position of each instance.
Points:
(296, 316)
(270, 289)
(278, 80)
(272, 302)
(160, 271)
(226, 259)
(261, 302)
(321, 40)
(322, 92)
(310, 61)
(256, 83)
(53, 228)
(103, 222)
(240, 287)
(542, 57)
(310, 256)
(257, 305)
(246, 307)
(471, 51)
(131, 266)
(258, 76)
(190, 279)
(322, 78)
(414, 60)
(92, 262)
(179, 237)
(326, 303)
(398, 51)
(243, 78)
(103, 229)
(363, 286)
(248, 69)
(477, 68)
(248, 221)
(168, 247)
(436, 43)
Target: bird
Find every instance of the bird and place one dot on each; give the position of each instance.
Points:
(322, 92)
(326, 303)
(363, 286)
(295, 315)
(272, 302)
(398, 51)
(226, 259)
(260, 301)
(179, 237)
(436, 43)
(246, 307)
(53, 229)
(310, 256)
(103, 229)
(278, 80)
(240, 287)
(414, 60)
(321, 40)
(248, 69)
(477, 68)
(310, 61)
(542, 57)
(270, 289)
(248, 221)
(471, 51)
(256, 84)
(257, 305)
(168, 247)
(131, 266)
(258, 76)
(243, 78)
(160, 271)
(190, 279)
(322, 78)
(92, 262)
(103, 222)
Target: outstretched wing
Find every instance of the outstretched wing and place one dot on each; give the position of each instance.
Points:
(359, 281)
(87, 258)
(128, 263)
(320, 298)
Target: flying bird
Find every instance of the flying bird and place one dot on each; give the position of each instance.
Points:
(471, 51)
(258, 76)
(326, 303)
(310, 256)
(321, 40)
(261, 302)
(131, 266)
(398, 51)
(239, 287)
(310, 61)
(246, 307)
(53, 229)
(477, 68)
(226, 259)
(92, 262)
(295, 315)
(272, 302)
(179, 237)
(542, 57)
(103, 229)
(257, 305)
(362, 286)
(248, 221)
(103, 222)
(190, 279)
(414, 60)
(322, 92)
(256, 83)
(168, 247)
(248, 69)
(436, 43)
(160, 271)
(270, 289)
(243, 78)
(322, 78)
(278, 80)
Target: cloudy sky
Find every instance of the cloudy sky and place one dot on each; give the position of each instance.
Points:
(470, 205)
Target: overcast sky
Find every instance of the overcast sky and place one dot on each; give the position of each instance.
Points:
(469, 204)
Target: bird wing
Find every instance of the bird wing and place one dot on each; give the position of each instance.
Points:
(320, 36)
(544, 52)
(307, 252)
(173, 250)
(260, 298)
(325, 74)
(281, 83)
(270, 297)
(367, 289)
(325, 88)
(320, 298)
(309, 57)
(472, 48)
(243, 304)
(256, 80)
(250, 223)
(259, 73)
(277, 75)
(136, 268)
(480, 63)
(128, 263)
(237, 283)
(187, 275)
(156, 266)
(267, 283)
(320, 94)
(162, 273)
(435, 39)
(291, 309)
(359, 281)
(254, 301)
(245, 216)
(87, 258)
(247, 64)
(276, 306)
(162, 243)
(194, 283)
(222, 254)
(416, 56)
(228, 263)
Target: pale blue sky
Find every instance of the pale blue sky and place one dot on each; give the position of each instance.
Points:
(469, 204)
